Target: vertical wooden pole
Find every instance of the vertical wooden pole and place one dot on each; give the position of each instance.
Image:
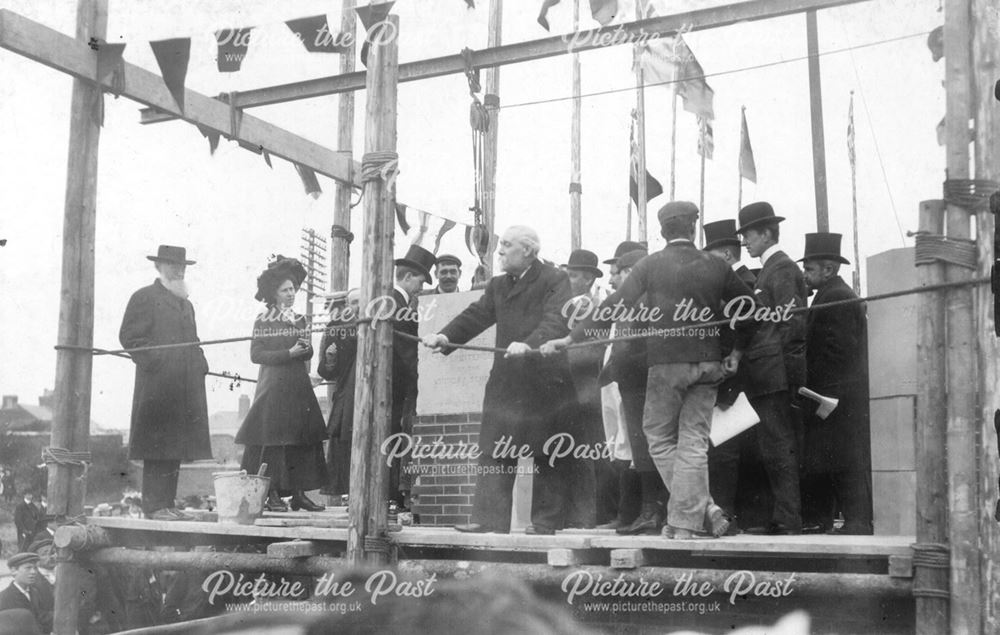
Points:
(703, 132)
(986, 69)
(340, 255)
(931, 433)
(71, 415)
(673, 142)
(816, 109)
(369, 473)
(966, 603)
(856, 276)
(640, 137)
(491, 100)
(575, 212)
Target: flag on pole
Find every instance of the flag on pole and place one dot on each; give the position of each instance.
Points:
(706, 138)
(850, 133)
(748, 168)
(669, 60)
(653, 187)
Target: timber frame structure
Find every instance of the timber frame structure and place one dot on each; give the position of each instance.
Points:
(954, 581)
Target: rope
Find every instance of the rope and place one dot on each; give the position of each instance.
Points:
(575, 187)
(380, 165)
(934, 248)
(61, 456)
(339, 231)
(931, 555)
(970, 194)
(98, 351)
(378, 544)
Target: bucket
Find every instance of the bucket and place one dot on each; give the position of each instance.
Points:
(240, 496)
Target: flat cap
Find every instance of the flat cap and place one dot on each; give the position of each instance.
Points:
(674, 209)
(25, 557)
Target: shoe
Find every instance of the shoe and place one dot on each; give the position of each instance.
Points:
(614, 524)
(716, 521)
(539, 530)
(814, 528)
(848, 531)
(300, 501)
(475, 528)
(274, 503)
(649, 522)
(169, 513)
(774, 529)
(679, 533)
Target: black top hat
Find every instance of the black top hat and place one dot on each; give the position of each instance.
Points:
(720, 234)
(825, 246)
(445, 258)
(169, 253)
(419, 259)
(278, 271)
(623, 248)
(675, 209)
(756, 214)
(584, 261)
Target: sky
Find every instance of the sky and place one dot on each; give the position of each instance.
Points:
(158, 184)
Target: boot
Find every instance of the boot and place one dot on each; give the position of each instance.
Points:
(650, 521)
(299, 501)
(274, 502)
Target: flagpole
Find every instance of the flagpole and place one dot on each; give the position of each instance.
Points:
(491, 99)
(576, 229)
(854, 199)
(739, 163)
(640, 132)
(701, 190)
(673, 141)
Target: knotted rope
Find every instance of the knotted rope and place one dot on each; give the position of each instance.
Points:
(382, 165)
(970, 194)
(62, 456)
(931, 555)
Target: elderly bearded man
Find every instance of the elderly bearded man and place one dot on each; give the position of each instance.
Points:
(527, 398)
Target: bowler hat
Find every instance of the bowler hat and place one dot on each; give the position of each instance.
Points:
(623, 248)
(675, 209)
(721, 233)
(169, 253)
(419, 259)
(584, 261)
(446, 258)
(823, 246)
(632, 257)
(25, 557)
(756, 214)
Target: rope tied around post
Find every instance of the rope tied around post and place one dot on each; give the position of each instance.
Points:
(382, 165)
(62, 456)
(339, 231)
(971, 194)
(378, 544)
(934, 248)
(931, 555)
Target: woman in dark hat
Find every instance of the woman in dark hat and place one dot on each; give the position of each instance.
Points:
(284, 427)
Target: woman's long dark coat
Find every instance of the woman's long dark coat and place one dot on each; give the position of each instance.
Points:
(169, 409)
(284, 409)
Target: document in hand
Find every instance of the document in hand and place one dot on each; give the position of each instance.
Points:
(727, 423)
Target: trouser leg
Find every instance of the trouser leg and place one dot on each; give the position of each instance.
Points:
(159, 484)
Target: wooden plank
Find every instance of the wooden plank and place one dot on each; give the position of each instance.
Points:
(446, 537)
(112, 523)
(627, 558)
(562, 557)
(901, 566)
(297, 549)
(64, 53)
(300, 522)
(626, 33)
(819, 546)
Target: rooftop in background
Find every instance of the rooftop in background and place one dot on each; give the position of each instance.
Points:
(19, 417)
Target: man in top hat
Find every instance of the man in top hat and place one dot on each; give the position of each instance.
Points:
(25, 592)
(448, 271)
(837, 450)
(412, 271)
(527, 398)
(776, 365)
(688, 288)
(169, 411)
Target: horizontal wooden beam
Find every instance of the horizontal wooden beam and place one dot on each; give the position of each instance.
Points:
(74, 57)
(699, 20)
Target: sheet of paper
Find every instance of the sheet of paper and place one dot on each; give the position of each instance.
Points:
(727, 423)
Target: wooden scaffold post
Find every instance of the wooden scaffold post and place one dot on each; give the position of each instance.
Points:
(71, 415)
(340, 232)
(368, 511)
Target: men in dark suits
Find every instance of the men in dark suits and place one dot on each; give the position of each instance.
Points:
(527, 398)
(837, 452)
(412, 271)
(722, 241)
(169, 409)
(687, 288)
(776, 364)
(26, 520)
(25, 592)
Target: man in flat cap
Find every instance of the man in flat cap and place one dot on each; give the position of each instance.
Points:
(776, 365)
(688, 288)
(448, 271)
(24, 591)
(169, 409)
(837, 453)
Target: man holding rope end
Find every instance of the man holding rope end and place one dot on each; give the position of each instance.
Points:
(527, 398)
(685, 290)
(169, 408)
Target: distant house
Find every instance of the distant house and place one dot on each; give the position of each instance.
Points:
(18, 417)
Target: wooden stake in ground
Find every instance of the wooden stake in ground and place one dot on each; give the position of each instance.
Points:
(366, 535)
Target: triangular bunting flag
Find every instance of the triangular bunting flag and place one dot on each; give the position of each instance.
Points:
(748, 167)
(111, 65)
(233, 47)
(470, 4)
(212, 136)
(309, 180)
(401, 218)
(267, 158)
(372, 14)
(604, 11)
(314, 33)
(543, 15)
(173, 56)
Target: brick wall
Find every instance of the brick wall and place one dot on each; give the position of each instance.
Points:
(442, 497)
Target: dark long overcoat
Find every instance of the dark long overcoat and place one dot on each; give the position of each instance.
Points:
(527, 398)
(284, 410)
(837, 366)
(169, 409)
